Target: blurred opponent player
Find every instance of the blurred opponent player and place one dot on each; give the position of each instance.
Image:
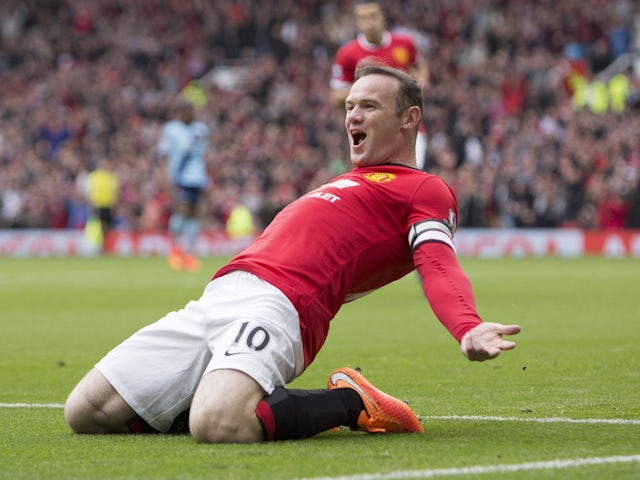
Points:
(183, 145)
(374, 43)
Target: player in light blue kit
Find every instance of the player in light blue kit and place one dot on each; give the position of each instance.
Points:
(183, 144)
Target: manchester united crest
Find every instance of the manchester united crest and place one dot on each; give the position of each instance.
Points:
(379, 177)
(401, 55)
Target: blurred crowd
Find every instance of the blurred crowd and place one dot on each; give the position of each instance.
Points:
(532, 114)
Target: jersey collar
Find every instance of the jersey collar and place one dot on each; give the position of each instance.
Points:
(372, 47)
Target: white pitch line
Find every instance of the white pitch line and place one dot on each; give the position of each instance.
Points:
(612, 421)
(483, 469)
(31, 405)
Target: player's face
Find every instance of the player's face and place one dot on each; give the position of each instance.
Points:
(188, 114)
(373, 127)
(370, 21)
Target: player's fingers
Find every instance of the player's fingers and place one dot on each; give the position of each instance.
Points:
(507, 345)
(509, 329)
(487, 354)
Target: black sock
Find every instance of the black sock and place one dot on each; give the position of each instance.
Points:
(179, 425)
(292, 414)
(139, 425)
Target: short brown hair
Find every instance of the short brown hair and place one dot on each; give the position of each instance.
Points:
(409, 92)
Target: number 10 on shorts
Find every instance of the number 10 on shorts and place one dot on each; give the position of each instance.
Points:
(256, 339)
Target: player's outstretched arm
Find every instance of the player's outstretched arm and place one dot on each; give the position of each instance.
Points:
(485, 341)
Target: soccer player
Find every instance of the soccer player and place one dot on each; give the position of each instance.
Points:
(225, 358)
(183, 145)
(375, 44)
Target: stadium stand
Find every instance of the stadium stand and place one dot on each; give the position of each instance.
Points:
(533, 112)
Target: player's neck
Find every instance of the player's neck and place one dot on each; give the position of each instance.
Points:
(375, 40)
(408, 161)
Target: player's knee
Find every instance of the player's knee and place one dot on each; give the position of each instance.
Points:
(85, 411)
(217, 426)
(210, 427)
(77, 414)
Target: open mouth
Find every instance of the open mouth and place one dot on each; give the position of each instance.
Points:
(358, 137)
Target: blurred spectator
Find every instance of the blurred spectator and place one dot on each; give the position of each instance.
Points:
(509, 111)
(633, 215)
(374, 43)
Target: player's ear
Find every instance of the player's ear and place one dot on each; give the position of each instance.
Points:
(411, 117)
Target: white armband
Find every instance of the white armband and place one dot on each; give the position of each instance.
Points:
(430, 231)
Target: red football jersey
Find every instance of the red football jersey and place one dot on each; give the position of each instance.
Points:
(396, 50)
(355, 234)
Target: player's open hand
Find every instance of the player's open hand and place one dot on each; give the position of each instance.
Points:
(485, 341)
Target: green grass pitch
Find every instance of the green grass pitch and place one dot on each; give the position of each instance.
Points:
(577, 358)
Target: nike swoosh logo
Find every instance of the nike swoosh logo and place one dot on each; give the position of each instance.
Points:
(229, 354)
(346, 378)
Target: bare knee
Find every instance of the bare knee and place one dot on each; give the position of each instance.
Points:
(219, 426)
(94, 406)
(77, 413)
(223, 409)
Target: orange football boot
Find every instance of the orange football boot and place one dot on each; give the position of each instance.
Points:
(175, 259)
(382, 413)
(190, 262)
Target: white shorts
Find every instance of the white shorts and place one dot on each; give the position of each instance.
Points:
(240, 322)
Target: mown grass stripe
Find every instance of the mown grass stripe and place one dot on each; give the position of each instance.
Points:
(556, 464)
